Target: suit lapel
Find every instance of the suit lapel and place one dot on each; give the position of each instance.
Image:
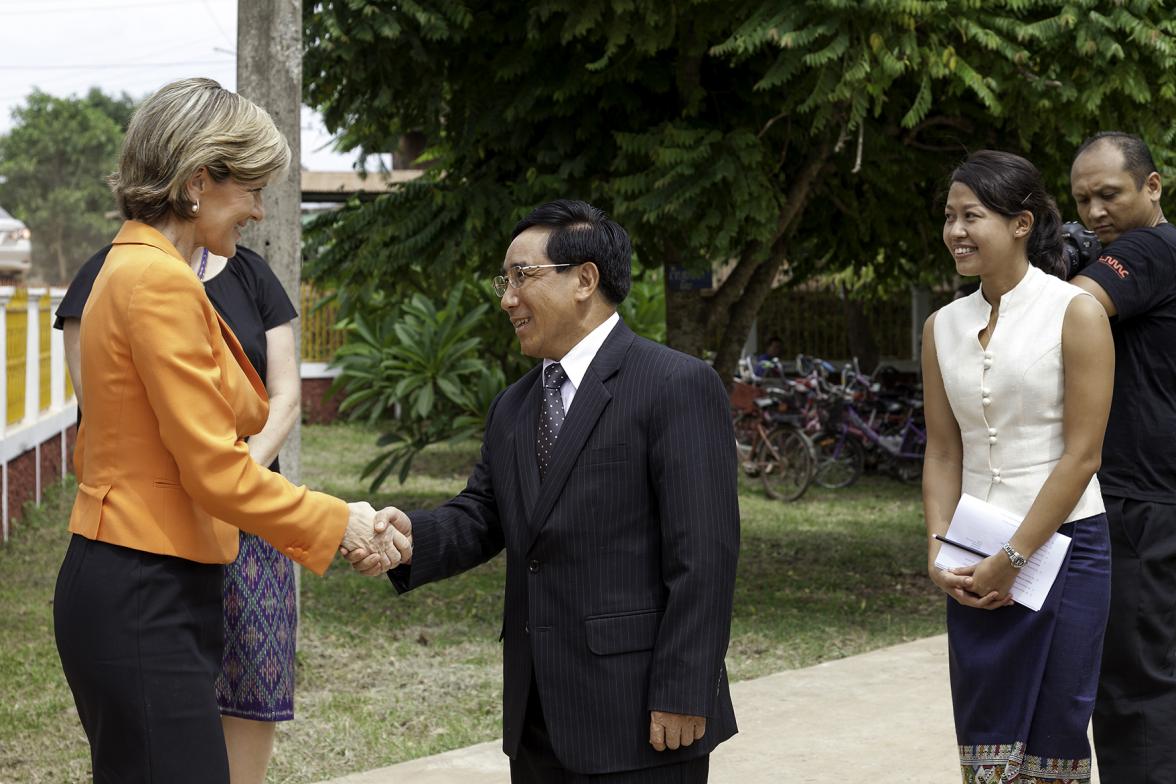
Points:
(592, 397)
(526, 426)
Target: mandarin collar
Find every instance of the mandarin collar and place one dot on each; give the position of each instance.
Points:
(1026, 290)
(134, 232)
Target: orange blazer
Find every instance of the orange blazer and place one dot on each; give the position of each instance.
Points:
(161, 459)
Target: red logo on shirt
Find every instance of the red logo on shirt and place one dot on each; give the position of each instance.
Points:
(1114, 264)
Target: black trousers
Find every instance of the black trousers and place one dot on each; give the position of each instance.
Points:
(536, 762)
(140, 638)
(1135, 712)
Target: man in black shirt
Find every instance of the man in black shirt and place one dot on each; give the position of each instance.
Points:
(1117, 188)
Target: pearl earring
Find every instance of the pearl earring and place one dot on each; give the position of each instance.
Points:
(195, 208)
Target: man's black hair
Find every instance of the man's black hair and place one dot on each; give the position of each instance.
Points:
(582, 233)
(1137, 158)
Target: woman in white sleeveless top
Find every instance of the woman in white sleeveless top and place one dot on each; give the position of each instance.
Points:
(1017, 380)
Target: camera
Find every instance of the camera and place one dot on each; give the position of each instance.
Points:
(1079, 247)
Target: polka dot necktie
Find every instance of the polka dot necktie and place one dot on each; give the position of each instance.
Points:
(551, 415)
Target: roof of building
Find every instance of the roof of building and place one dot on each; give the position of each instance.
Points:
(339, 186)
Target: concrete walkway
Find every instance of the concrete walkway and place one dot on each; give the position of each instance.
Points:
(883, 717)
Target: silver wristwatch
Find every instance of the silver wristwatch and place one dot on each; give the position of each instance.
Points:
(1015, 558)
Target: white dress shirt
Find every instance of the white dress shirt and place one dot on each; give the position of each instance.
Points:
(575, 363)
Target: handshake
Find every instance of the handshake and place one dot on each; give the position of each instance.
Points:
(375, 542)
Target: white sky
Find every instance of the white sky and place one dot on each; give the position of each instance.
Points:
(65, 47)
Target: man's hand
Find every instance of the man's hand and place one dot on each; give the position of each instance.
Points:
(372, 563)
(385, 547)
(671, 730)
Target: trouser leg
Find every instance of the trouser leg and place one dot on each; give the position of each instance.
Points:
(1135, 712)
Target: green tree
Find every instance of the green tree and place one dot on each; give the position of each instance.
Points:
(777, 139)
(53, 165)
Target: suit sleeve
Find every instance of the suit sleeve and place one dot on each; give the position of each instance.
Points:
(693, 469)
(458, 535)
(171, 348)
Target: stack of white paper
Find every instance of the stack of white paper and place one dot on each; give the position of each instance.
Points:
(984, 527)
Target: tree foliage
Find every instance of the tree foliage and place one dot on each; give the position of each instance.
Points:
(53, 164)
(789, 138)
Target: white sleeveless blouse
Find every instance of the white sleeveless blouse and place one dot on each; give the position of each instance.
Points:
(1008, 398)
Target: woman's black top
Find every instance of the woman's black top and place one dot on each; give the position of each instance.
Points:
(247, 295)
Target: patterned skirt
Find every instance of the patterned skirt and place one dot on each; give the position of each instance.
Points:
(1023, 683)
(256, 680)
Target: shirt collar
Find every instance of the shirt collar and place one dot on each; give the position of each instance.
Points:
(575, 363)
(1025, 291)
(136, 233)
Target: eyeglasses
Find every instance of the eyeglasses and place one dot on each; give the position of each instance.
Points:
(515, 276)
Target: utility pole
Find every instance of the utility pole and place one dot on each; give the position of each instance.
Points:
(269, 73)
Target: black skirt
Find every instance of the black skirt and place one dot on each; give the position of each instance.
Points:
(140, 636)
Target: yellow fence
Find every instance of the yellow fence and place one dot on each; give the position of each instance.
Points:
(17, 341)
(46, 366)
(320, 339)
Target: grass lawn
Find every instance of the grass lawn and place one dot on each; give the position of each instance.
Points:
(383, 679)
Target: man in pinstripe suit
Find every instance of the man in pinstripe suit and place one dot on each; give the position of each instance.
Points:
(608, 475)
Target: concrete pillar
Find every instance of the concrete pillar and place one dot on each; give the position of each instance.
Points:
(6, 293)
(269, 73)
(56, 355)
(33, 358)
(920, 310)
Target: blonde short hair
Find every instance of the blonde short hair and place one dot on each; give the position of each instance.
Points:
(184, 126)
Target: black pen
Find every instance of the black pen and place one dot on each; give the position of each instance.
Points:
(971, 550)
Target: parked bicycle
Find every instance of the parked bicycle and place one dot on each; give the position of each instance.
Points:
(898, 441)
(771, 446)
(853, 421)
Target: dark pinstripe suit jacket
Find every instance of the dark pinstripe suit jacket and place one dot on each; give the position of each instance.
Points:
(620, 563)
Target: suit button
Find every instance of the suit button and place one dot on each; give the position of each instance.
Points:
(526, 628)
(533, 566)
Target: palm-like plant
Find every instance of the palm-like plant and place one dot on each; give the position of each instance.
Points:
(416, 372)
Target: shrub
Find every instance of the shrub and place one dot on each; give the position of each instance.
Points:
(417, 372)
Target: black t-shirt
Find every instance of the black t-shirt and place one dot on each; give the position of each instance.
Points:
(1138, 272)
(246, 293)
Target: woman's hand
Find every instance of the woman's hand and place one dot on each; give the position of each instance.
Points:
(960, 584)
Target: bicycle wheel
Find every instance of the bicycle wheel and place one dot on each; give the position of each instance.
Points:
(908, 471)
(840, 460)
(745, 423)
(786, 464)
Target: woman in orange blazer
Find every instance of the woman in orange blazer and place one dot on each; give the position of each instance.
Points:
(164, 474)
